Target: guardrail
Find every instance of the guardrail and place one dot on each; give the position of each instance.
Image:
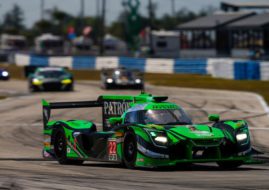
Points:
(217, 67)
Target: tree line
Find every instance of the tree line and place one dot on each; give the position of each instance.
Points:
(57, 22)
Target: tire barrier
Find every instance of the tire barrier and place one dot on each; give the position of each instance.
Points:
(217, 67)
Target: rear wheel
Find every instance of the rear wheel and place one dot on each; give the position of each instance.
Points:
(129, 150)
(230, 164)
(60, 147)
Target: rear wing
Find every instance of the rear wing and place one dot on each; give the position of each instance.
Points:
(47, 107)
(112, 106)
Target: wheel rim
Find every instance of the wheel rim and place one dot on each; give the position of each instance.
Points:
(60, 146)
(130, 149)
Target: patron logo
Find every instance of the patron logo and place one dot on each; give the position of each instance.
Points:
(115, 108)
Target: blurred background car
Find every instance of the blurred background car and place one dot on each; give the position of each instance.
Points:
(51, 78)
(4, 74)
(122, 78)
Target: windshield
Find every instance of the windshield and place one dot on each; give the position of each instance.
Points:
(51, 74)
(123, 74)
(165, 117)
(158, 117)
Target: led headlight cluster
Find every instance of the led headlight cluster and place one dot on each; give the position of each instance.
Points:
(109, 80)
(138, 81)
(5, 74)
(241, 136)
(66, 81)
(158, 137)
(36, 81)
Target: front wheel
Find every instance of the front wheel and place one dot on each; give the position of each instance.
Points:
(60, 147)
(230, 164)
(129, 150)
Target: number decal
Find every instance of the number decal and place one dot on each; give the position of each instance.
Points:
(112, 150)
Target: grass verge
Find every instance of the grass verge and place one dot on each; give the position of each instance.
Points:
(177, 80)
(2, 97)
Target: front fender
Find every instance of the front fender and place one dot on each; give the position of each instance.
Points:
(232, 128)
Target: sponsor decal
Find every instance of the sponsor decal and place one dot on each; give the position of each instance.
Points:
(140, 159)
(115, 107)
(68, 150)
(112, 150)
(164, 107)
(203, 133)
(192, 128)
(200, 133)
(46, 154)
(240, 124)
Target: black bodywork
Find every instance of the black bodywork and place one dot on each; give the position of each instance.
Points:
(122, 78)
(51, 79)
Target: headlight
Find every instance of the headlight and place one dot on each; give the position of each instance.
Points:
(109, 80)
(241, 136)
(36, 81)
(159, 138)
(4, 73)
(138, 81)
(66, 81)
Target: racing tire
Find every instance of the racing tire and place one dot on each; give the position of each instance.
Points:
(32, 89)
(230, 165)
(60, 147)
(70, 88)
(129, 150)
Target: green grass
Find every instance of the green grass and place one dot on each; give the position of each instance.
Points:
(178, 80)
(2, 97)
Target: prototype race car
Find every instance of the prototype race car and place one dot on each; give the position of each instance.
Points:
(121, 78)
(51, 78)
(4, 74)
(144, 131)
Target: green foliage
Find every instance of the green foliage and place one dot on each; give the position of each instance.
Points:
(13, 20)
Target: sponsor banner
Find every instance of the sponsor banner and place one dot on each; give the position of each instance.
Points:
(83, 62)
(39, 61)
(22, 59)
(113, 108)
(192, 66)
(106, 63)
(264, 70)
(221, 68)
(159, 65)
(61, 61)
(133, 63)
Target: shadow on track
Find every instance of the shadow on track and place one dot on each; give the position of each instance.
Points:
(193, 167)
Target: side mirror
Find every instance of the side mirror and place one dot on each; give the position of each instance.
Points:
(115, 120)
(214, 117)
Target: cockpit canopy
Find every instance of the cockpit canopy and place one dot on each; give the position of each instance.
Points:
(158, 114)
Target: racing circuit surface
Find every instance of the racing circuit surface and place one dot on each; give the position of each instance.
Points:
(22, 167)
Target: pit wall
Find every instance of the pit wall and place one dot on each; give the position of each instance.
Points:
(237, 69)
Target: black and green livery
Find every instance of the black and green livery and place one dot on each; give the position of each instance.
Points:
(144, 131)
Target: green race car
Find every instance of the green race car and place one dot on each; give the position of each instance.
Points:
(144, 131)
(51, 79)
